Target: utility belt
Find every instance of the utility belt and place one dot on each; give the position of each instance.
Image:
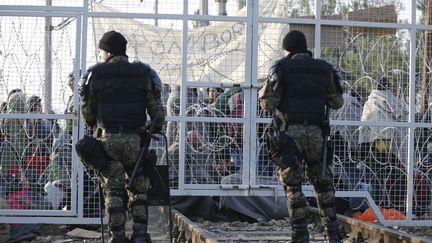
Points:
(325, 128)
(306, 123)
(282, 121)
(120, 129)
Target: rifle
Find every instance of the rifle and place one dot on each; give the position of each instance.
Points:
(326, 134)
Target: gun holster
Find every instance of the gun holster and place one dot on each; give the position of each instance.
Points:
(282, 149)
(92, 153)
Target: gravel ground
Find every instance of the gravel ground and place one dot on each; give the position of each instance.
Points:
(275, 228)
(57, 233)
(281, 228)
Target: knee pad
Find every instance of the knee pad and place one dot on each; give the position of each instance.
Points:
(138, 208)
(290, 177)
(115, 197)
(114, 203)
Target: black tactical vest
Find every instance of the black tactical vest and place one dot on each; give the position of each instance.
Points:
(305, 82)
(120, 89)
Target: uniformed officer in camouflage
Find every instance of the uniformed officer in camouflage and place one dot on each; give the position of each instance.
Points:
(297, 90)
(115, 96)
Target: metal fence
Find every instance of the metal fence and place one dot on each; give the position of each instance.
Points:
(212, 57)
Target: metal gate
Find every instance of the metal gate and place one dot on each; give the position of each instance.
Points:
(212, 57)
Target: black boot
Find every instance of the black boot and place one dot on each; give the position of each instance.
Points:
(118, 237)
(332, 233)
(140, 234)
(300, 233)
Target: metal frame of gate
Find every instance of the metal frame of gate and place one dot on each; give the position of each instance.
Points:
(249, 185)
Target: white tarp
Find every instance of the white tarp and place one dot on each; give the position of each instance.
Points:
(216, 53)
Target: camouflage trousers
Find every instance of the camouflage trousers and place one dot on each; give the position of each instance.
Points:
(124, 150)
(309, 142)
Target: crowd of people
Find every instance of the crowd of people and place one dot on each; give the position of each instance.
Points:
(26, 147)
(36, 153)
(27, 143)
(36, 160)
(374, 158)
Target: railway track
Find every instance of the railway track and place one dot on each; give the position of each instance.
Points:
(276, 231)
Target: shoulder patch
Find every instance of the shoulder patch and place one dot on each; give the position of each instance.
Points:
(85, 78)
(83, 83)
(272, 73)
